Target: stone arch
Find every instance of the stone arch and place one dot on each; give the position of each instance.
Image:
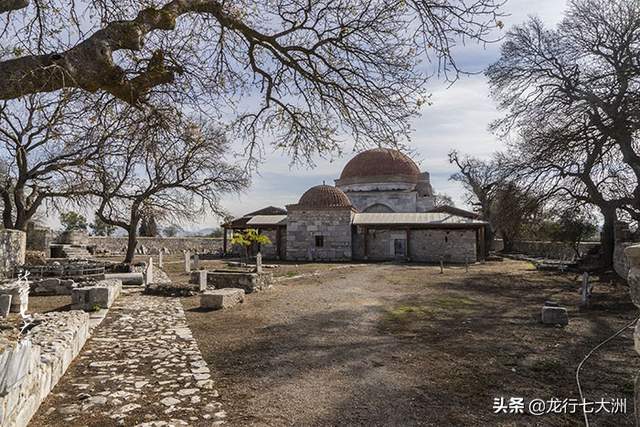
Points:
(378, 208)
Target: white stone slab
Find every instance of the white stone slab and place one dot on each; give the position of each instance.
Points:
(221, 298)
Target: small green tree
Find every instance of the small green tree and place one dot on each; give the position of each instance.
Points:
(101, 228)
(73, 221)
(248, 238)
(148, 226)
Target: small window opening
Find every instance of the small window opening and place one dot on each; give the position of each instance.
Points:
(319, 241)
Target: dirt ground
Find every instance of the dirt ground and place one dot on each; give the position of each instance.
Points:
(390, 344)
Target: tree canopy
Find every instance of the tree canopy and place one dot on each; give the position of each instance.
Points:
(302, 72)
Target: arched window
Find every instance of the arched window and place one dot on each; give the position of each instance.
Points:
(378, 208)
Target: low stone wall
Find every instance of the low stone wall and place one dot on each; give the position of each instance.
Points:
(250, 282)
(31, 368)
(152, 245)
(13, 246)
(547, 249)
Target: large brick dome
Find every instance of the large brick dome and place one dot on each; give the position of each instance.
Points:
(324, 196)
(380, 162)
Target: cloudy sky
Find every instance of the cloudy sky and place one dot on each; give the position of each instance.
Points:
(457, 119)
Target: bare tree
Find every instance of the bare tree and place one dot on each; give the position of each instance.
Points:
(442, 199)
(170, 168)
(577, 166)
(573, 95)
(45, 143)
(311, 70)
(481, 179)
(513, 208)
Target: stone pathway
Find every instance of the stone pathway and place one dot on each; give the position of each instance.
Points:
(140, 367)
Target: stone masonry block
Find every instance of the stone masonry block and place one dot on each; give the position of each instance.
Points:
(554, 315)
(221, 298)
(102, 295)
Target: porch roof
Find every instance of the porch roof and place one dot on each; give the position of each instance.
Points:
(421, 218)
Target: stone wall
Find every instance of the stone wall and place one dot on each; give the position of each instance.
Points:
(425, 245)
(270, 251)
(334, 225)
(13, 245)
(32, 367)
(39, 238)
(397, 201)
(554, 250)
(151, 245)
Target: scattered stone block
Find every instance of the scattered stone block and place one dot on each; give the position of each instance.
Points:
(52, 286)
(249, 281)
(221, 298)
(199, 278)
(19, 291)
(554, 315)
(101, 295)
(126, 278)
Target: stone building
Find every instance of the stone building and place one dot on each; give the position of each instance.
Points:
(381, 208)
(385, 180)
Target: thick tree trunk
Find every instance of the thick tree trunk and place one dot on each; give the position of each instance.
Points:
(488, 237)
(132, 242)
(607, 238)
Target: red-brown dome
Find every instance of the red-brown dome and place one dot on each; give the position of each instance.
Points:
(380, 162)
(324, 196)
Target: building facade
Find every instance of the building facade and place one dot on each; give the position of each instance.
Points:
(381, 208)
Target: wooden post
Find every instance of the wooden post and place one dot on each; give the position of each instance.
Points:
(408, 239)
(366, 242)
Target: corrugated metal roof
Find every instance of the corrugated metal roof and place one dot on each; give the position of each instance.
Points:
(268, 220)
(431, 218)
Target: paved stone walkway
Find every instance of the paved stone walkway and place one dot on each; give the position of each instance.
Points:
(140, 367)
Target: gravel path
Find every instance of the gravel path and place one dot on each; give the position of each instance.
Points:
(141, 367)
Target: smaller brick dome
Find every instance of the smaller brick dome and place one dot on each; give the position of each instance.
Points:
(324, 196)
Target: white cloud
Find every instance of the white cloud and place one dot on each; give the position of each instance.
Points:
(457, 119)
